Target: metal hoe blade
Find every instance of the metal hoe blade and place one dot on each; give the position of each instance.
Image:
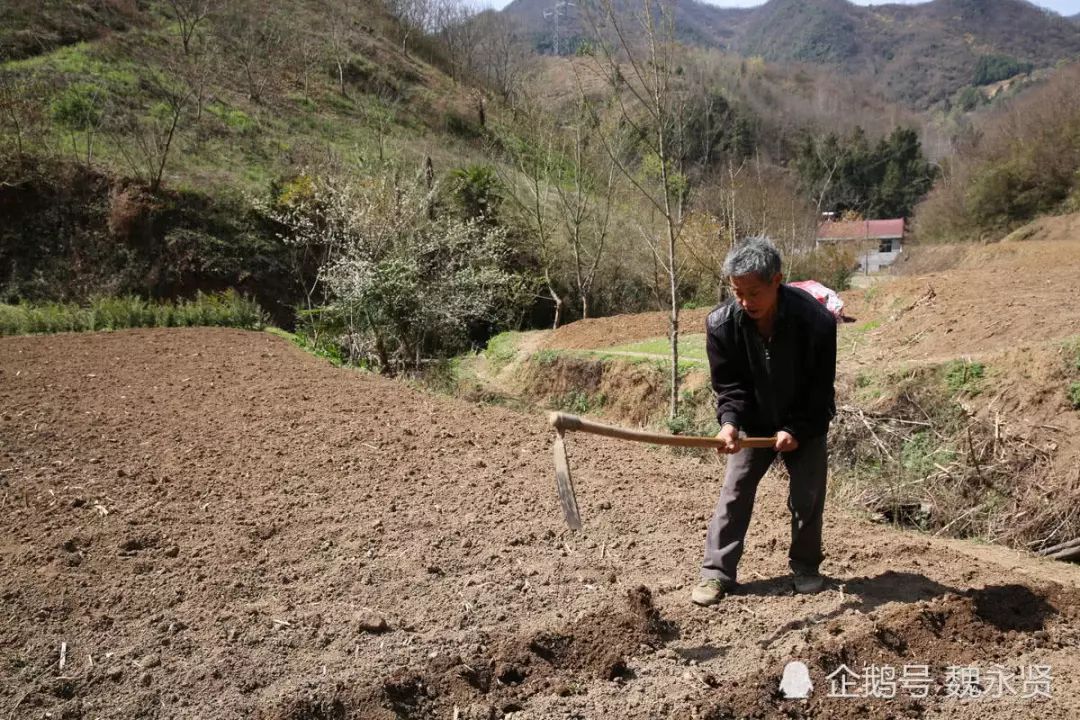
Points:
(565, 485)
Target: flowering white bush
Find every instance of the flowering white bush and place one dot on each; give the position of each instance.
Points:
(400, 279)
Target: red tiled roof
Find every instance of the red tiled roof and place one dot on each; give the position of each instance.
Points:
(861, 230)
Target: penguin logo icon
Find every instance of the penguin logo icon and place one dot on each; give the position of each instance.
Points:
(796, 683)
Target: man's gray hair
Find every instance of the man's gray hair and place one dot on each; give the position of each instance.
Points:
(753, 256)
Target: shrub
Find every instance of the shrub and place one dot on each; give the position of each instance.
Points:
(964, 376)
(1074, 395)
(830, 265)
(226, 309)
(477, 192)
(400, 281)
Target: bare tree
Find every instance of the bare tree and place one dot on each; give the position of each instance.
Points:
(414, 16)
(530, 193)
(197, 72)
(20, 113)
(586, 210)
(255, 39)
(340, 48)
(81, 109)
(147, 143)
(309, 52)
(641, 73)
(189, 14)
(503, 56)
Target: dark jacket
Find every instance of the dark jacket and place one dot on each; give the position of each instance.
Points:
(782, 384)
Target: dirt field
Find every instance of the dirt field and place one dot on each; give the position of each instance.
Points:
(994, 298)
(212, 524)
(619, 329)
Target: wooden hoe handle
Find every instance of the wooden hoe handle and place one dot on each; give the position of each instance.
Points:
(565, 421)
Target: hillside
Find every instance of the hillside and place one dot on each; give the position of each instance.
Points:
(920, 54)
(299, 86)
(135, 155)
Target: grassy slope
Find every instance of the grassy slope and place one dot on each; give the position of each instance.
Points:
(395, 104)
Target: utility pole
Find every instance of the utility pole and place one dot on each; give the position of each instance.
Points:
(553, 13)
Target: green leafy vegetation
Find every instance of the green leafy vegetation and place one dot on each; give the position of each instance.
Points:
(968, 99)
(328, 351)
(579, 403)
(882, 180)
(696, 416)
(226, 309)
(1074, 394)
(397, 281)
(992, 68)
(964, 376)
(501, 349)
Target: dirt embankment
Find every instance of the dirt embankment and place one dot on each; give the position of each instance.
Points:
(212, 524)
(605, 332)
(1008, 306)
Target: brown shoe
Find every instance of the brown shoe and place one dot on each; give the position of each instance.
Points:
(708, 592)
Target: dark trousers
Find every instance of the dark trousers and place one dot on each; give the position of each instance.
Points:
(725, 540)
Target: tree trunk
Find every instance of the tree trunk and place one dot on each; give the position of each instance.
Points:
(674, 330)
(558, 307)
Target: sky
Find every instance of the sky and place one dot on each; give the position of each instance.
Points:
(1065, 7)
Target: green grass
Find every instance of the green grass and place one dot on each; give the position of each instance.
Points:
(238, 145)
(326, 351)
(81, 61)
(579, 403)
(691, 349)
(850, 336)
(1074, 395)
(1072, 354)
(869, 388)
(501, 349)
(227, 309)
(964, 376)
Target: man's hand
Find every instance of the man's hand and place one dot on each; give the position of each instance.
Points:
(785, 442)
(730, 435)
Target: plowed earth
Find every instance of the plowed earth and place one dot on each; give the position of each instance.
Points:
(213, 524)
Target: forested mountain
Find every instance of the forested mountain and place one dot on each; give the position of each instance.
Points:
(920, 54)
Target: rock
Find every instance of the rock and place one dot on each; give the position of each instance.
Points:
(369, 621)
(172, 551)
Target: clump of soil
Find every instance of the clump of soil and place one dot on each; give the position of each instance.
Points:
(993, 625)
(600, 643)
(596, 646)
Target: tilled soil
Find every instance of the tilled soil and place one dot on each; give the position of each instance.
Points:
(996, 297)
(213, 524)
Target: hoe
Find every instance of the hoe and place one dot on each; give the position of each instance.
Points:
(563, 422)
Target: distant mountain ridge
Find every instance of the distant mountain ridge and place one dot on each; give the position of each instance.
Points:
(919, 54)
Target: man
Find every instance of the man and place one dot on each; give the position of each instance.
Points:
(772, 357)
